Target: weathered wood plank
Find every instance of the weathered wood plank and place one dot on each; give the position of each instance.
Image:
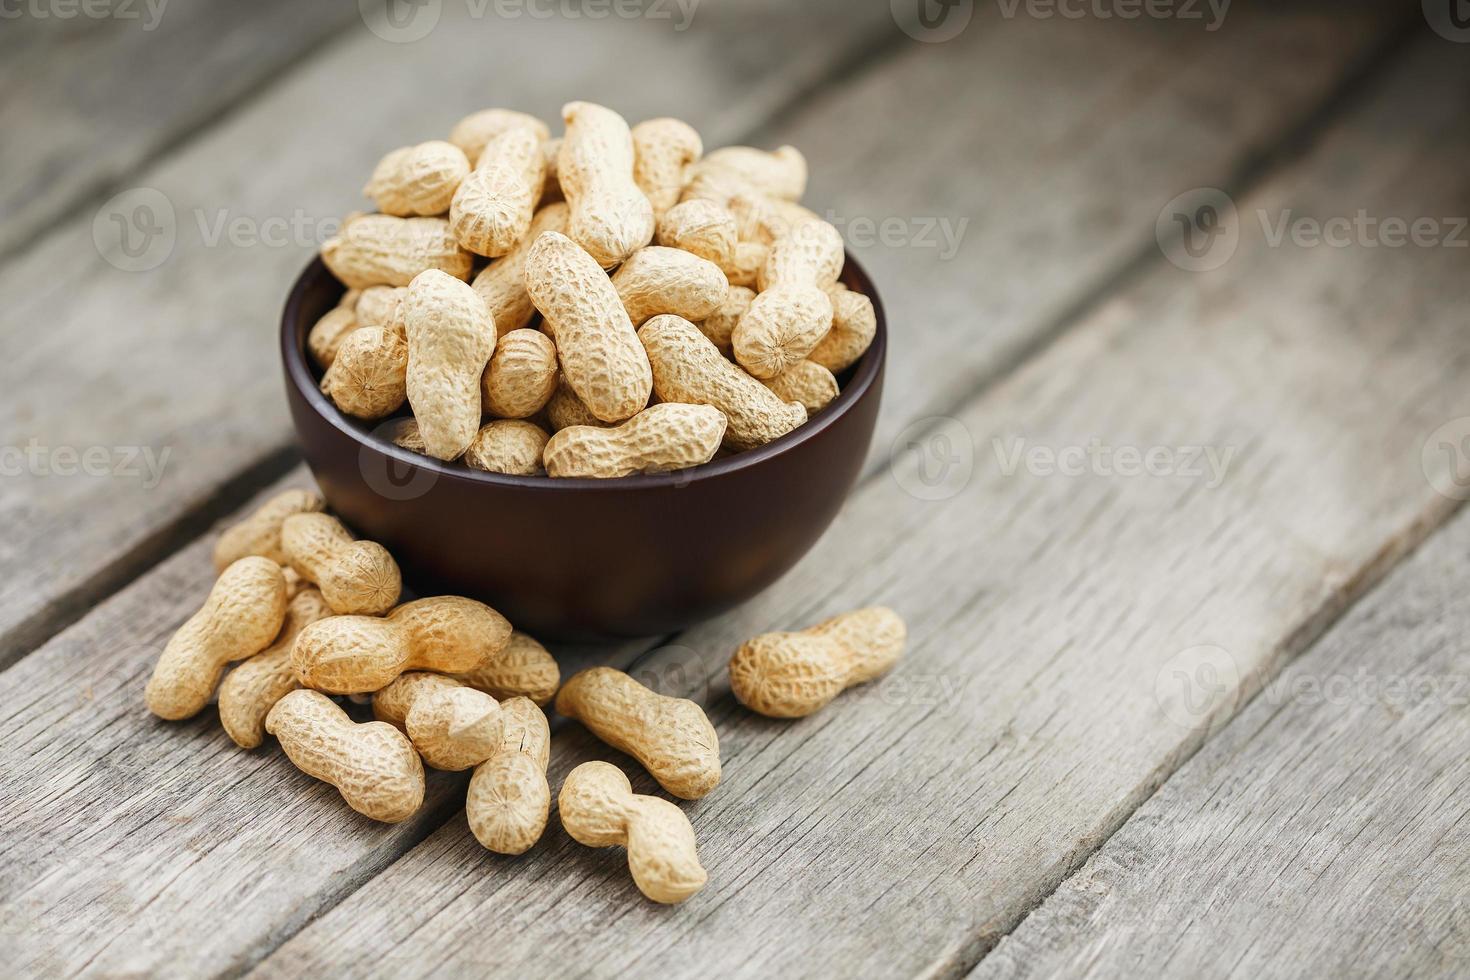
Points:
(85, 99)
(138, 847)
(1020, 168)
(123, 828)
(179, 361)
(907, 828)
(1321, 833)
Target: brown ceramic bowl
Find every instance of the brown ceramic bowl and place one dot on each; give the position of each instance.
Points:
(586, 560)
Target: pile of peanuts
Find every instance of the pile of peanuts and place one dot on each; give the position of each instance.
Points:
(688, 305)
(311, 616)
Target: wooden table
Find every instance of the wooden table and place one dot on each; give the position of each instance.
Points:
(1166, 495)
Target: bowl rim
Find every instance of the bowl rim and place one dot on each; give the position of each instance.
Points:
(864, 374)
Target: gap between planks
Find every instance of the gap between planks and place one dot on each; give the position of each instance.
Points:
(1314, 834)
(111, 168)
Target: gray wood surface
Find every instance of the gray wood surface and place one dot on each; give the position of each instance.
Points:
(915, 822)
(1322, 833)
(907, 828)
(139, 847)
(1046, 240)
(177, 364)
(85, 100)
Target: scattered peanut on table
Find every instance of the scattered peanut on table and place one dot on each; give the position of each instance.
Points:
(671, 737)
(509, 799)
(790, 675)
(606, 303)
(454, 687)
(599, 808)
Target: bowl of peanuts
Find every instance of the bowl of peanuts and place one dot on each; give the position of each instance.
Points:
(607, 383)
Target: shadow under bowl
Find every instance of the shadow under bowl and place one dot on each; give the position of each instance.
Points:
(585, 560)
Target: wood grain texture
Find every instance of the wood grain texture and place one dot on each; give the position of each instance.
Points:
(1322, 832)
(179, 361)
(88, 99)
(910, 825)
(141, 847)
(1019, 169)
(137, 846)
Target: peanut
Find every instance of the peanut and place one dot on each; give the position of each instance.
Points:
(392, 703)
(523, 669)
(767, 219)
(599, 808)
(611, 218)
(260, 533)
(720, 324)
(667, 436)
(450, 340)
(791, 675)
(381, 250)
(663, 150)
(671, 737)
(328, 333)
(373, 765)
(688, 368)
(452, 726)
(359, 654)
(510, 446)
(521, 376)
(492, 209)
(809, 384)
(779, 174)
(793, 312)
(248, 692)
(240, 618)
(598, 348)
(354, 576)
(404, 433)
(509, 800)
(502, 284)
(417, 180)
(709, 230)
(368, 378)
(475, 131)
(376, 306)
(669, 280)
(854, 324)
(566, 409)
